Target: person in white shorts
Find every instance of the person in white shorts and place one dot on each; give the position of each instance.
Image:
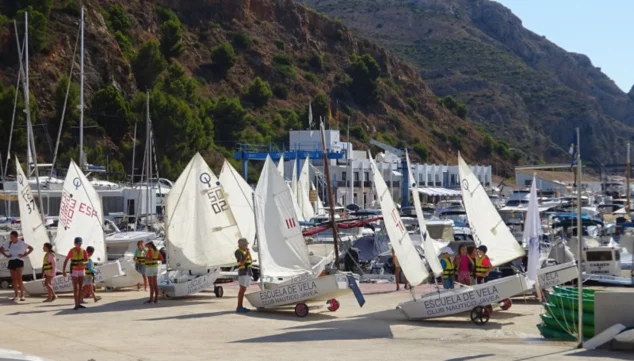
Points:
(243, 257)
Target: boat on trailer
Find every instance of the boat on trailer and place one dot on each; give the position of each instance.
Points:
(201, 232)
(80, 216)
(121, 247)
(288, 278)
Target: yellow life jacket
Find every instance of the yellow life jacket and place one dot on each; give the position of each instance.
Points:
(141, 255)
(155, 259)
(77, 259)
(449, 268)
(480, 269)
(47, 266)
(246, 257)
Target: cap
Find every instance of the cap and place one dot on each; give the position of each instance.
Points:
(78, 240)
(242, 242)
(147, 241)
(447, 250)
(483, 248)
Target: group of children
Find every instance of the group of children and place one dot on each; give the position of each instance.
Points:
(147, 258)
(82, 272)
(470, 266)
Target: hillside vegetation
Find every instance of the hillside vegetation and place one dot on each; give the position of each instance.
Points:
(218, 73)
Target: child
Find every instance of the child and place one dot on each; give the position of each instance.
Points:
(48, 271)
(471, 251)
(463, 266)
(78, 258)
(483, 265)
(89, 278)
(448, 268)
(139, 263)
(152, 260)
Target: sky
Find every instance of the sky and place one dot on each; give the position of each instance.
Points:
(602, 30)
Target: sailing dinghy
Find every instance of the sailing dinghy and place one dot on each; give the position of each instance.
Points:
(80, 215)
(201, 232)
(288, 278)
(442, 302)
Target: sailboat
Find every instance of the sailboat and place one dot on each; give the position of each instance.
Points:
(431, 247)
(80, 215)
(240, 197)
(201, 232)
(442, 302)
(288, 277)
(33, 229)
(303, 190)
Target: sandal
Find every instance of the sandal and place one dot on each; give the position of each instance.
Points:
(22, 299)
(147, 302)
(47, 300)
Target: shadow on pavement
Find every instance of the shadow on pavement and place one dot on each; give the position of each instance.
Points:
(371, 326)
(189, 316)
(467, 358)
(127, 305)
(616, 355)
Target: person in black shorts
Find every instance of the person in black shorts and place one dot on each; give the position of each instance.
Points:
(16, 251)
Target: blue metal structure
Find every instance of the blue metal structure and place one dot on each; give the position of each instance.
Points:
(247, 152)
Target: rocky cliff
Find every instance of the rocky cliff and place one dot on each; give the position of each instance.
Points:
(520, 86)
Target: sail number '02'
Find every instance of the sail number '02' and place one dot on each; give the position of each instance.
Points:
(217, 198)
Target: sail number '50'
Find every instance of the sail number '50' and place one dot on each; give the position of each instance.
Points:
(217, 199)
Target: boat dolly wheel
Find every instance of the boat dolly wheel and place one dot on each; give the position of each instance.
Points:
(480, 315)
(505, 304)
(333, 305)
(4, 284)
(301, 310)
(219, 291)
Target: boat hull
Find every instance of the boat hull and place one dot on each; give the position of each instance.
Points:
(450, 302)
(557, 275)
(308, 290)
(609, 280)
(191, 286)
(129, 278)
(63, 284)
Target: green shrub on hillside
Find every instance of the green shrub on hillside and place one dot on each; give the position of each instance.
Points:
(148, 65)
(242, 40)
(364, 71)
(117, 19)
(455, 141)
(280, 91)
(488, 143)
(422, 151)
(279, 44)
(38, 28)
(172, 39)
(259, 92)
(110, 110)
(224, 58)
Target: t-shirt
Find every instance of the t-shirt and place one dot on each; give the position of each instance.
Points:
(465, 264)
(244, 271)
(16, 249)
(486, 262)
(70, 256)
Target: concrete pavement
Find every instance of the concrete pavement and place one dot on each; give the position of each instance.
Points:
(203, 327)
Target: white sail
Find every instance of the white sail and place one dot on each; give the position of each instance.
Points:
(487, 226)
(80, 215)
(429, 244)
(303, 189)
(408, 257)
(240, 197)
(320, 205)
(201, 230)
(283, 251)
(33, 229)
(280, 165)
(294, 180)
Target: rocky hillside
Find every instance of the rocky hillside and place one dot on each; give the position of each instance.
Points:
(218, 73)
(521, 87)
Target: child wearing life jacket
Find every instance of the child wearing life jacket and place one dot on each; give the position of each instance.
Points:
(448, 268)
(483, 265)
(89, 278)
(78, 257)
(49, 266)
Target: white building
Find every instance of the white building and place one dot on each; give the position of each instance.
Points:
(551, 181)
(355, 168)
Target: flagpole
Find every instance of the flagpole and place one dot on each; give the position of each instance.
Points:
(628, 174)
(580, 243)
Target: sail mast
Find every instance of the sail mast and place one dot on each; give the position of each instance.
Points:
(335, 235)
(255, 216)
(580, 237)
(81, 95)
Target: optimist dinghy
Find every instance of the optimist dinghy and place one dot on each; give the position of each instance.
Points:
(445, 302)
(201, 232)
(80, 215)
(287, 276)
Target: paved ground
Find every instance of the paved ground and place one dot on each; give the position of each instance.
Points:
(202, 327)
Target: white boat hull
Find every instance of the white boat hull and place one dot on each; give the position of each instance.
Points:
(190, 286)
(63, 284)
(129, 277)
(608, 279)
(301, 290)
(557, 275)
(449, 302)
